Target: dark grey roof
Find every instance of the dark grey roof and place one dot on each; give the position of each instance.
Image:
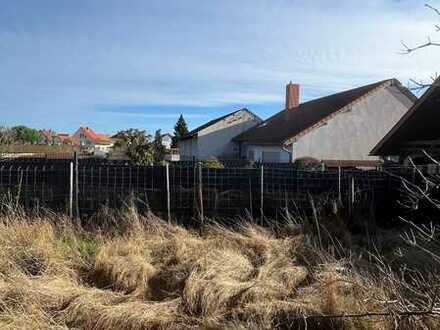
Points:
(194, 132)
(420, 123)
(289, 123)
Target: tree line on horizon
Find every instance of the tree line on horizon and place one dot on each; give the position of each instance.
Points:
(141, 147)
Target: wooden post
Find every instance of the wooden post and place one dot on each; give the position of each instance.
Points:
(167, 168)
(76, 185)
(71, 191)
(262, 193)
(202, 216)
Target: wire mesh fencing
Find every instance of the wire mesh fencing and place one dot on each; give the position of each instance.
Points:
(185, 192)
(34, 186)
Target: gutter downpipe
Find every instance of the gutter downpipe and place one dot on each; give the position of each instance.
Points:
(290, 152)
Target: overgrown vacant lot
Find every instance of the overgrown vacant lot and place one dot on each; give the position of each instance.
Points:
(145, 274)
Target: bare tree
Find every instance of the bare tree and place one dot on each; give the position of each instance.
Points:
(407, 49)
(420, 85)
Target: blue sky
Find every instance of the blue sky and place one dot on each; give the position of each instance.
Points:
(114, 64)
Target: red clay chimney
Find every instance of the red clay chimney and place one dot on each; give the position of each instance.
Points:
(292, 95)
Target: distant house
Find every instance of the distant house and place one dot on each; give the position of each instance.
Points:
(417, 130)
(167, 140)
(95, 143)
(214, 139)
(171, 154)
(343, 127)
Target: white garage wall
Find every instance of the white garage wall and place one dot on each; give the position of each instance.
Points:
(353, 134)
(215, 140)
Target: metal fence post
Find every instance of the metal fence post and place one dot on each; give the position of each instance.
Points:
(202, 216)
(76, 185)
(339, 185)
(352, 191)
(250, 197)
(167, 169)
(71, 191)
(262, 193)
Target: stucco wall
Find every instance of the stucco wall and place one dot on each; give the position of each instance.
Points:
(188, 149)
(215, 140)
(353, 134)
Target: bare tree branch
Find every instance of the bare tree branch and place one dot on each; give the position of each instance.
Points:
(435, 10)
(420, 85)
(407, 49)
(429, 43)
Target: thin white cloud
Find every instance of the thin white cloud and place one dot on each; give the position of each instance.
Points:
(60, 61)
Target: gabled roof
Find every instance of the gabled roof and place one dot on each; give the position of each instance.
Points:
(288, 124)
(195, 131)
(95, 137)
(104, 137)
(420, 123)
(90, 133)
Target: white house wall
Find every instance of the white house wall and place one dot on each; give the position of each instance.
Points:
(215, 140)
(188, 149)
(258, 150)
(353, 134)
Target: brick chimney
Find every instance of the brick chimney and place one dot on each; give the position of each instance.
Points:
(292, 95)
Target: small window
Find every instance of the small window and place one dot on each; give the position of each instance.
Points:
(251, 155)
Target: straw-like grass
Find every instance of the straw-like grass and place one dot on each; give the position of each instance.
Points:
(146, 274)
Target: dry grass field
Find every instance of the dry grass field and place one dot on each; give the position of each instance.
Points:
(145, 274)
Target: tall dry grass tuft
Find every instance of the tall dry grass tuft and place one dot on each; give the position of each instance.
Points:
(123, 266)
(146, 274)
(31, 248)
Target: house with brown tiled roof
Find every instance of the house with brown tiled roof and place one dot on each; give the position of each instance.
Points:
(342, 127)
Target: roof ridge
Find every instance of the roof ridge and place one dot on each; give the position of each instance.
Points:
(307, 115)
(215, 120)
(380, 84)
